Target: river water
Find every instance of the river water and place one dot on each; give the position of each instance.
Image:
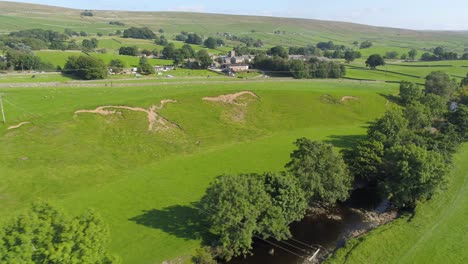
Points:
(324, 231)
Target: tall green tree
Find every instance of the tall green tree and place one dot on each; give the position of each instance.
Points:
(418, 116)
(374, 61)
(412, 54)
(116, 65)
(279, 51)
(203, 58)
(365, 160)
(412, 173)
(439, 83)
(144, 67)
(389, 129)
(410, 92)
(298, 69)
(45, 234)
(211, 43)
(85, 67)
(460, 119)
(321, 171)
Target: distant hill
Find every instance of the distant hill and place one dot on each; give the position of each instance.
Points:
(293, 31)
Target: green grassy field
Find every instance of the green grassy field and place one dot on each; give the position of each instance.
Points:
(436, 234)
(143, 182)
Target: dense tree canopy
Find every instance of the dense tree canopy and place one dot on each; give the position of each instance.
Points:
(374, 61)
(240, 207)
(85, 67)
(321, 171)
(131, 51)
(211, 43)
(45, 234)
(410, 92)
(439, 83)
(412, 173)
(139, 33)
(144, 67)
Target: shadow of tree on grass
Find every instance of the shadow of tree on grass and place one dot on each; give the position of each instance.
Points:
(181, 221)
(392, 98)
(345, 141)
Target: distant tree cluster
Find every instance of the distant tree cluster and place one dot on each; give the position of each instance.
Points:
(88, 13)
(199, 60)
(248, 41)
(374, 61)
(139, 33)
(366, 44)
(306, 51)
(407, 152)
(45, 234)
(439, 53)
(316, 69)
(90, 44)
(116, 23)
(130, 51)
(35, 39)
(85, 67)
(24, 60)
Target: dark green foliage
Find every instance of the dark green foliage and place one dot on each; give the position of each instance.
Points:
(139, 33)
(298, 69)
(88, 13)
(36, 39)
(83, 34)
(131, 51)
(437, 105)
(203, 256)
(161, 40)
(418, 116)
(307, 50)
(464, 81)
(58, 45)
(90, 44)
(85, 67)
(374, 61)
(412, 54)
(459, 118)
(391, 55)
(321, 171)
(194, 38)
(366, 44)
(144, 67)
(240, 207)
(116, 65)
(279, 51)
(410, 92)
(326, 45)
(390, 128)
(19, 60)
(350, 55)
(44, 234)
(211, 43)
(44, 35)
(365, 160)
(188, 51)
(169, 51)
(439, 83)
(203, 59)
(117, 23)
(412, 173)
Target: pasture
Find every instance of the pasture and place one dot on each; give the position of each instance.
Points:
(143, 182)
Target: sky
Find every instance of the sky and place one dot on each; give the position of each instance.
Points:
(411, 14)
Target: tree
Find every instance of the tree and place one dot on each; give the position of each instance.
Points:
(418, 116)
(366, 44)
(349, 56)
(130, 51)
(240, 207)
(439, 83)
(116, 65)
(211, 43)
(90, 44)
(391, 55)
(194, 38)
(374, 61)
(460, 119)
(298, 69)
(234, 205)
(411, 174)
(203, 59)
(168, 51)
(279, 51)
(321, 172)
(188, 51)
(139, 33)
(161, 31)
(85, 67)
(410, 92)
(437, 105)
(412, 54)
(389, 129)
(144, 67)
(365, 160)
(439, 51)
(464, 81)
(45, 234)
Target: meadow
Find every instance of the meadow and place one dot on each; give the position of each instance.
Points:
(143, 183)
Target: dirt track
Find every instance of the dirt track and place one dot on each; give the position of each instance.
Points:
(153, 117)
(229, 98)
(18, 125)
